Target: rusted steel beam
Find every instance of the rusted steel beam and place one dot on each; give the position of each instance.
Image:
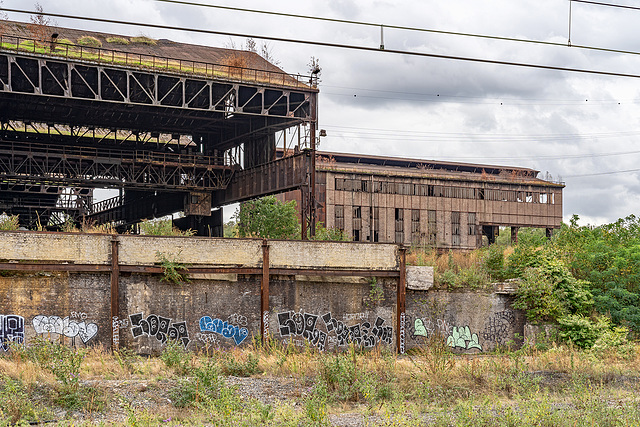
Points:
(19, 266)
(115, 306)
(401, 301)
(315, 272)
(264, 292)
(14, 266)
(200, 270)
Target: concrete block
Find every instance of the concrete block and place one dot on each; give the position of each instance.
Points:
(419, 278)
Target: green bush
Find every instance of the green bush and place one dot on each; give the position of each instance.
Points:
(162, 227)
(175, 356)
(614, 339)
(9, 222)
(268, 218)
(581, 330)
(240, 368)
(16, 405)
(331, 234)
(493, 263)
(549, 291)
(203, 387)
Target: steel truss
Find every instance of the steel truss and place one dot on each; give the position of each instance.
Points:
(23, 73)
(64, 165)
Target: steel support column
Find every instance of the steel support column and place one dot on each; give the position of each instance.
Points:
(401, 293)
(264, 292)
(115, 306)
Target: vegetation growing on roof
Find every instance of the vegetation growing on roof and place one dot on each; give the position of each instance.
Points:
(118, 40)
(89, 41)
(144, 40)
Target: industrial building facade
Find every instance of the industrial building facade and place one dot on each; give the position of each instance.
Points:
(438, 204)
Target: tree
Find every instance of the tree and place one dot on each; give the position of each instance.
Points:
(40, 25)
(268, 218)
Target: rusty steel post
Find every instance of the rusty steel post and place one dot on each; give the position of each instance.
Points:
(313, 107)
(115, 307)
(400, 301)
(264, 292)
(303, 212)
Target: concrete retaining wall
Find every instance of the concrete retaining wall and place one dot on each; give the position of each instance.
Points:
(323, 307)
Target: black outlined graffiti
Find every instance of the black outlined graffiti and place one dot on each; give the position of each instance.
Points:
(226, 329)
(363, 334)
(498, 326)
(304, 324)
(64, 326)
(11, 330)
(160, 327)
(292, 323)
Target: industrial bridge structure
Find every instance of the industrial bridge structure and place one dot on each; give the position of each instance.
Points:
(171, 134)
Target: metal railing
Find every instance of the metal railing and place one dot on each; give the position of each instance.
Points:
(18, 44)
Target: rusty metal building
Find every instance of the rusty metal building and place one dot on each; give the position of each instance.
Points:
(173, 127)
(424, 202)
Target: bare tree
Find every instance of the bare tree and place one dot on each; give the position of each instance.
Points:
(40, 26)
(314, 70)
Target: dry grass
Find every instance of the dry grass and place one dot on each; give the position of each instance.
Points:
(429, 381)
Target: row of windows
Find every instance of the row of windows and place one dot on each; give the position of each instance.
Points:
(432, 190)
(416, 236)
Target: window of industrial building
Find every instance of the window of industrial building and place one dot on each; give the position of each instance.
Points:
(455, 228)
(357, 222)
(415, 226)
(432, 226)
(339, 210)
(471, 221)
(399, 225)
(375, 222)
(495, 193)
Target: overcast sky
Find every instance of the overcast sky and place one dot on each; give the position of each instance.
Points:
(581, 128)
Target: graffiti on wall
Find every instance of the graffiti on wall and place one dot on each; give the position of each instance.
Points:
(11, 330)
(265, 322)
(294, 324)
(208, 339)
(402, 327)
(461, 337)
(498, 327)
(226, 328)
(427, 328)
(160, 327)
(65, 327)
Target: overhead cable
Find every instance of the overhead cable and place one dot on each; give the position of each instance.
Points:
(396, 27)
(597, 3)
(328, 44)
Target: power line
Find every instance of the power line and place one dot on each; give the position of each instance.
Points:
(601, 173)
(327, 44)
(509, 137)
(461, 98)
(597, 3)
(396, 27)
(480, 101)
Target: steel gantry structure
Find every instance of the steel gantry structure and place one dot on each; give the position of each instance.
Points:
(185, 134)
